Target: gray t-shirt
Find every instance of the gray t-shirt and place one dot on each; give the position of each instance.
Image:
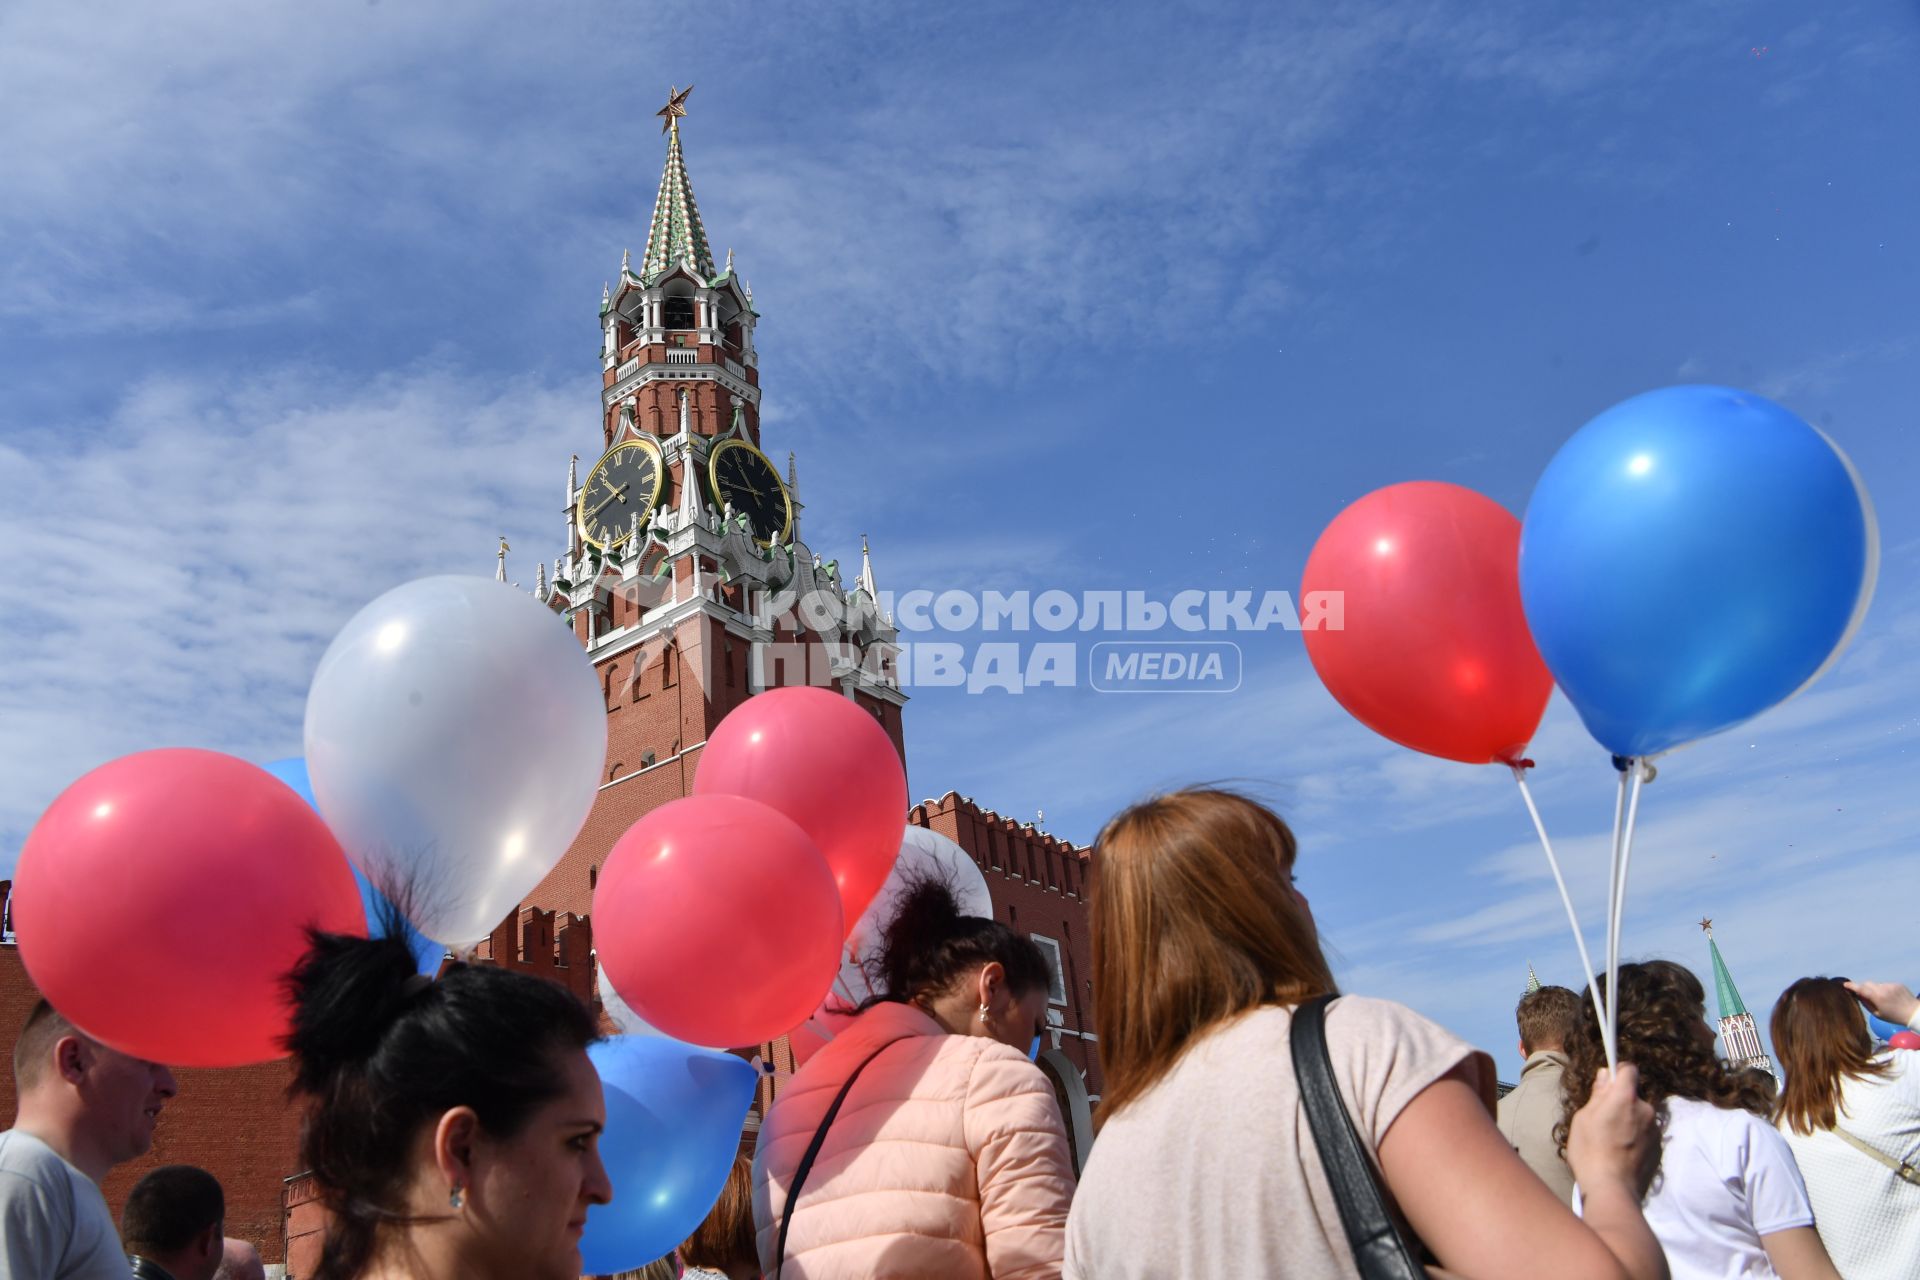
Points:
(1212, 1172)
(54, 1223)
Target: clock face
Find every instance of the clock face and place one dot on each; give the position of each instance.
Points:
(624, 483)
(742, 475)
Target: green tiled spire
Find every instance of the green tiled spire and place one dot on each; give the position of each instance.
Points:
(1724, 991)
(1533, 979)
(676, 234)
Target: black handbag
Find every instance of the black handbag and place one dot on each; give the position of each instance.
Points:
(813, 1151)
(1380, 1250)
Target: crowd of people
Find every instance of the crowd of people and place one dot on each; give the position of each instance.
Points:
(1254, 1121)
(1746, 1185)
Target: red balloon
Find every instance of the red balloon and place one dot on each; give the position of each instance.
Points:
(1435, 652)
(161, 900)
(825, 763)
(717, 920)
(1905, 1040)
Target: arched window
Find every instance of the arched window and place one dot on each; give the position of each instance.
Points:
(677, 313)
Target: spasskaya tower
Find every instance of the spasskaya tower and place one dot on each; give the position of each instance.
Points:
(687, 578)
(685, 574)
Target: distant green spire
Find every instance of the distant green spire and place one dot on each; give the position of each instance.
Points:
(676, 234)
(1533, 979)
(1724, 991)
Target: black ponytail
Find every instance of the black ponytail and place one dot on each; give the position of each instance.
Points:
(929, 946)
(379, 1052)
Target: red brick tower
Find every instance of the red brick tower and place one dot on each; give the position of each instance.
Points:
(688, 583)
(685, 576)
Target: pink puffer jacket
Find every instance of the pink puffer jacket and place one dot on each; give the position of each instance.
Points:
(947, 1159)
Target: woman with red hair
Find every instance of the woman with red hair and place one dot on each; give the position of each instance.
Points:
(1206, 963)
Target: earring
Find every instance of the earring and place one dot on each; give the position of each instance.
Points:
(455, 1198)
(983, 1011)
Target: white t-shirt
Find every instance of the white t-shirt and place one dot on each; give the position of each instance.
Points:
(1213, 1170)
(1869, 1219)
(1726, 1179)
(54, 1223)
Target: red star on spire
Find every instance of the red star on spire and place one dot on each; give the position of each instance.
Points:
(675, 108)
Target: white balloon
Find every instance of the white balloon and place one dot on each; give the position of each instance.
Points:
(922, 852)
(455, 739)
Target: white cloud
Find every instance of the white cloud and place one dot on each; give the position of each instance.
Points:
(1789, 832)
(191, 556)
(913, 197)
(1822, 375)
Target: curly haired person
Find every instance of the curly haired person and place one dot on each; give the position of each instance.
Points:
(1728, 1199)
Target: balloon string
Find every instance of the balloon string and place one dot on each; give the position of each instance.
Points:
(1613, 907)
(1566, 900)
(1638, 773)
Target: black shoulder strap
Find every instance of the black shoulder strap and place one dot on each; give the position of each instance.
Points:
(1378, 1249)
(813, 1151)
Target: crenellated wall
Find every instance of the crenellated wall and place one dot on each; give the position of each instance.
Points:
(1039, 885)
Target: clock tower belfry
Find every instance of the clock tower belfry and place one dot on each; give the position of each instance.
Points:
(676, 326)
(685, 576)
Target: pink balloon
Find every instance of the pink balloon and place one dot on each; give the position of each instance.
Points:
(1905, 1040)
(161, 900)
(825, 763)
(718, 921)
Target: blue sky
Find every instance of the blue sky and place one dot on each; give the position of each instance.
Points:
(295, 305)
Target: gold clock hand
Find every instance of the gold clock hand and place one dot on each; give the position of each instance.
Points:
(604, 501)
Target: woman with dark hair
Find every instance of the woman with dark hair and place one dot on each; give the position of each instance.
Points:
(922, 1141)
(1729, 1200)
(1852, 1118)
(1204, 955)
(452, 1126)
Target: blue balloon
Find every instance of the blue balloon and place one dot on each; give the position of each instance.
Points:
(427, 954)
(1690, 558)
(674, 1114)
(1882, 1029)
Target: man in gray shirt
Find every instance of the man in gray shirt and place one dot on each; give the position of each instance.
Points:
(84, 1108)
(1529, 1114)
